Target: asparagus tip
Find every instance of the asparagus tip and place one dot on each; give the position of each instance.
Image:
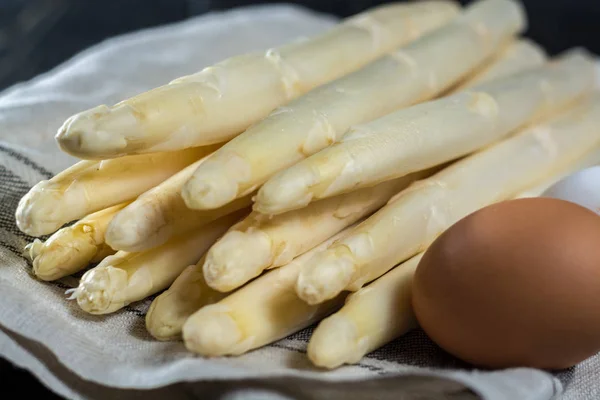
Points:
(97, 133)
(335, 342)
(237, 258)
(132, 230)
(208, 191)
(160, 323)
(213, 332)
(37, 213)
(284, 193)
(325, 277)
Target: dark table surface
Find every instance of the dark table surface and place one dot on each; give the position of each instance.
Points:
(43, 33)
(20, 381)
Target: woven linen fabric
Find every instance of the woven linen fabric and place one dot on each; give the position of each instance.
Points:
(82, 356)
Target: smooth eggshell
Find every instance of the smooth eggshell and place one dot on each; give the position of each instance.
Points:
(581, 187)
(514, 284)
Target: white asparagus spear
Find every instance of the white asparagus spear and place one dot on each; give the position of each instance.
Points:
(160, 213)
(518, 56)
(417, 215)
(429, 133)
(590, 159)
(72, 248)
(169, 311)
(265, 310)
(90, 186)
(319, 118)
(370, 318)
(219, 102)
(126, 277)
(260, 242)
(382, 311)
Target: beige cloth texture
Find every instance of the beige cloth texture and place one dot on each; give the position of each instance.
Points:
(87, 357)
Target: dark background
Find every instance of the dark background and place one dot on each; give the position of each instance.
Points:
(36, 35)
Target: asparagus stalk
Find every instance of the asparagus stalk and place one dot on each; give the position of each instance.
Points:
(259, 242)
(160, 213)
(126, 277)
(518, 56)
(72, 248)
(382, 311)
(417, 215)
(265, 310)
(370, 318)
(319, 118)
(90, 186)
(429, 133)
(215, 104)
(590, 159)
(169, 311)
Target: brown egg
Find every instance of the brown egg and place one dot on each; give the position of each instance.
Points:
(514, 284)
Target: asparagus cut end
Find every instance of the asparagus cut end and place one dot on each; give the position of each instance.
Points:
(98, 290)
(56, 259)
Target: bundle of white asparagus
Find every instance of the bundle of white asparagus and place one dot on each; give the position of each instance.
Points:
(218, 102)
(262, 190)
